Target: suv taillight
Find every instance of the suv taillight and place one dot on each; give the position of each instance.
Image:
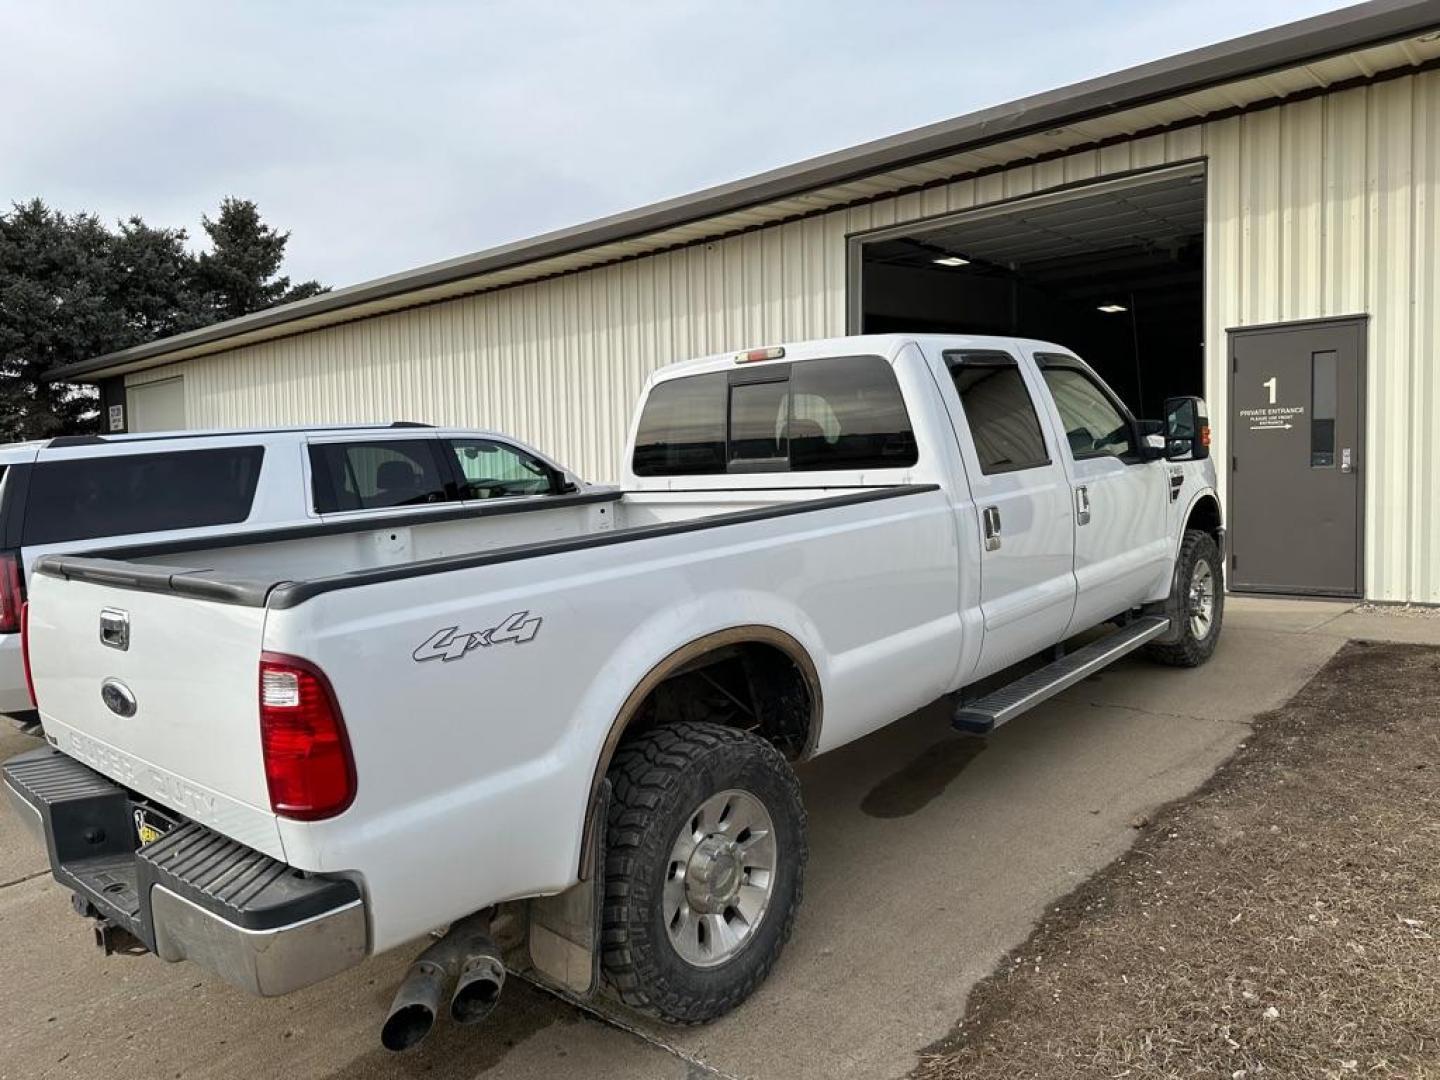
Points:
(12, 592)
(308, 765)
(25, 651)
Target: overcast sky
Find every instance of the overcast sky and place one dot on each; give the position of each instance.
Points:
(388, 135)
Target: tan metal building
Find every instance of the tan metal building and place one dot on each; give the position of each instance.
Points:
(1257, 221)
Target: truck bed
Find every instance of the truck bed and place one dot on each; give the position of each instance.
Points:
(284, 567)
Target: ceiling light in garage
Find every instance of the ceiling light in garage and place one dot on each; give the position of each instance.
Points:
(1112, 309)
(950, 260)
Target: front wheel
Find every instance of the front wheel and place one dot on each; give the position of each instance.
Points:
(1197, 602)
(704, 866)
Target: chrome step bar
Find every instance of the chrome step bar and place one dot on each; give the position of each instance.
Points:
(989, 712)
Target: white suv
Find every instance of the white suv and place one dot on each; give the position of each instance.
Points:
(65, 494)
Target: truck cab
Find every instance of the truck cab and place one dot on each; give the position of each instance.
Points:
(1077, 509)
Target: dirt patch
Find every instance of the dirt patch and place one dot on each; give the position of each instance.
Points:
(1282, 922)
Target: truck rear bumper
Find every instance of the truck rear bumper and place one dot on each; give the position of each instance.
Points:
(192, 894)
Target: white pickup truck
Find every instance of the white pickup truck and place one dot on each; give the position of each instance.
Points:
(567, 731)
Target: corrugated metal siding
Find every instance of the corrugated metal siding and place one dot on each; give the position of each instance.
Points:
(1321, 207)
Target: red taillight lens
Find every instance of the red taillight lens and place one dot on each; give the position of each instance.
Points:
(308, 765)
(1205, 435)
(12, 592)
(25, 651)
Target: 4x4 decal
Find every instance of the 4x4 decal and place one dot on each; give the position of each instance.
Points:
(450, 644)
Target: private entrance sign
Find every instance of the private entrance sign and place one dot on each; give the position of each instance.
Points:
(1272, 418)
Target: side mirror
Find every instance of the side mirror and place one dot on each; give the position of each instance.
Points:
(1187, 428)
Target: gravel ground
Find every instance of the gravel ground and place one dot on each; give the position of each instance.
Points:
(1282, 922)
(1408, 611)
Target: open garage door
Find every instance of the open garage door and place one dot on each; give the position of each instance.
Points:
(1113, 270)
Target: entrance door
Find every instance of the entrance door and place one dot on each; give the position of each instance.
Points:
(1297, 457)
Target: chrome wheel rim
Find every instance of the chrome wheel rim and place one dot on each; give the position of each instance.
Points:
(1202, 600)
(719, 878)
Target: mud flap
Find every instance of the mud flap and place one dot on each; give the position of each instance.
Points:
(1172, 608)
(563, 931)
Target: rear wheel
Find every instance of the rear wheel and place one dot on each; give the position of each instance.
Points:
(1197, 602)
(703, 871)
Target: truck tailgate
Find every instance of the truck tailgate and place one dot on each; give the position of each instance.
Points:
(170, 711)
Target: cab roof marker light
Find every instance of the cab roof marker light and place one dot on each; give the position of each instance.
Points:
(775, 352)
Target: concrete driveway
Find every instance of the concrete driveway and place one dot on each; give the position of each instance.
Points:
(931, 855)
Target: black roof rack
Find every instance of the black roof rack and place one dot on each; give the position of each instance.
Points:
(102, 440)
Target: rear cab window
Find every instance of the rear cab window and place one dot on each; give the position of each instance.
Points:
(844, 412)
(86, 498)
(998, 409)
(376, 474)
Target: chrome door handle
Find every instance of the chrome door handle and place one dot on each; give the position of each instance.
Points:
(991, 517)
(1345, 462)
(1082, 506)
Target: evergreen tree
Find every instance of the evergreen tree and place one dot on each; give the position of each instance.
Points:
(241, 272)
(72, 289)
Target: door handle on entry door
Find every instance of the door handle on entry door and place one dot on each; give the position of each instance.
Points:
(1345, 462)
(1082, 506)
(991, 518)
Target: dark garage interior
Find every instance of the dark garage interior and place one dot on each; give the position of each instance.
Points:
(1115, 274)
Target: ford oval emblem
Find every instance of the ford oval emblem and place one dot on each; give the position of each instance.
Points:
(117, 697)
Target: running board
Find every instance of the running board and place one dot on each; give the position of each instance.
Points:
(987, 713)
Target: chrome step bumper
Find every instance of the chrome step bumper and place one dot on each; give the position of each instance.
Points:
(193, 894)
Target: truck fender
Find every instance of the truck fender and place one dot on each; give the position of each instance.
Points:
(661, 669)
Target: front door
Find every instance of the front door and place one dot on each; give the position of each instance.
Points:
(1122, 552)
(1297, 456)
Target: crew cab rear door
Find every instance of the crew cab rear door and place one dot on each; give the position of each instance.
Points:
(1022, 496)
(1120, 495)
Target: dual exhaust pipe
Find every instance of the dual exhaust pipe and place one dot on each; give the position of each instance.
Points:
(465, 958)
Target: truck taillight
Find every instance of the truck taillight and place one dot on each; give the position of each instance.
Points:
(308, 765)
(12, 592)
(25, 651)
